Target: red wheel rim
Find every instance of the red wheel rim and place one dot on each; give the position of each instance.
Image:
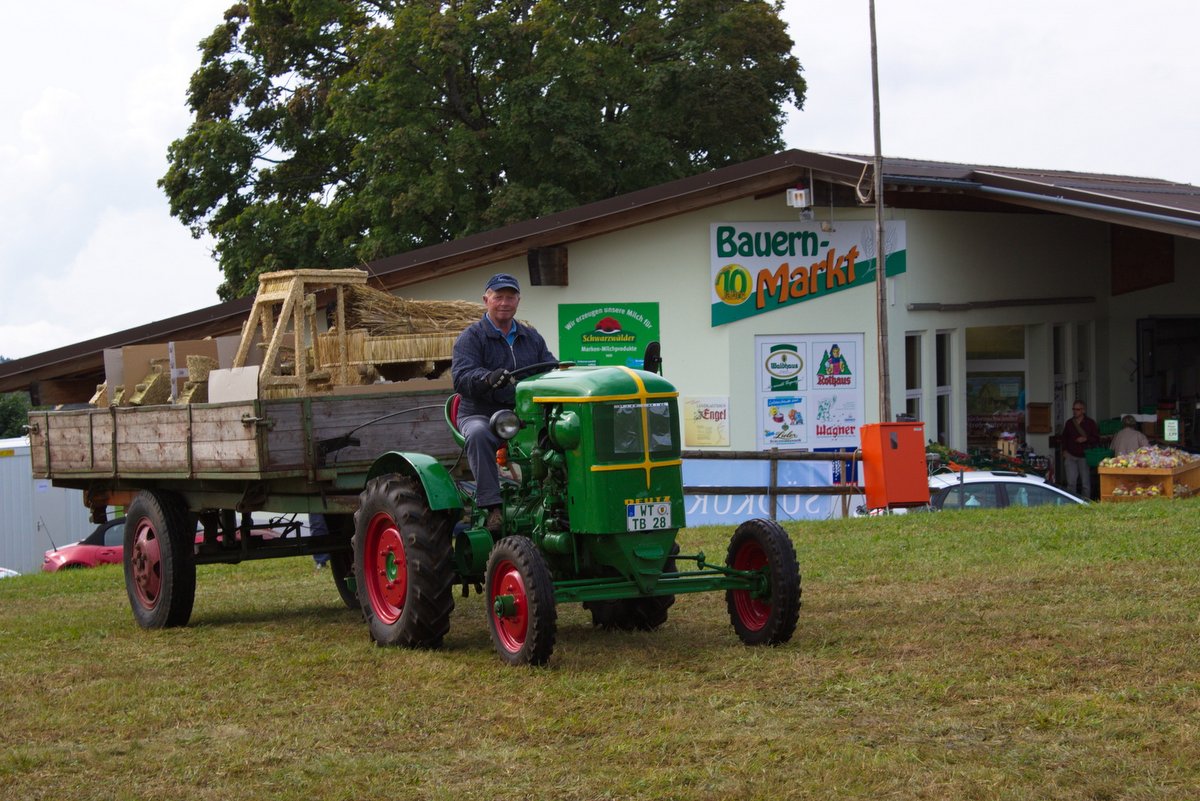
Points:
(386, 568)
(511, 628)
(753, 612)
(146, 562)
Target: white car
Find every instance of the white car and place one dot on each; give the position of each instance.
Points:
(994, 489)
(985, 489)
(6, 573)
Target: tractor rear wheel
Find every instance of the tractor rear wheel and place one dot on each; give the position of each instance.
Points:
(403, 565)
(634, 614)
(769, 619)
(160, 571)
(520, 602)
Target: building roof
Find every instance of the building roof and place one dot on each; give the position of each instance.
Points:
(1146, 203)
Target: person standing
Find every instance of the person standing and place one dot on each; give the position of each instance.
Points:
(1079, 434)
(485, 354)
(1129, 438)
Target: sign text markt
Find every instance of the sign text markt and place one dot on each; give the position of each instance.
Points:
(760, 267)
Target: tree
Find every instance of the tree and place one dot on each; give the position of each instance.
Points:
(332, 132)
(14, 412)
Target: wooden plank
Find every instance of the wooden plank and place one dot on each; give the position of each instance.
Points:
(286, 439)
(221, 442)
(80, 442)
(152, 439)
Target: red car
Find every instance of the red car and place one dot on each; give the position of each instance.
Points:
(104, 546)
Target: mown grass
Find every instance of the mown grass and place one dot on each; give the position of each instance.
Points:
(990, 655)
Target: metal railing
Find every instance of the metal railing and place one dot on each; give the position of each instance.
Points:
(772, 489)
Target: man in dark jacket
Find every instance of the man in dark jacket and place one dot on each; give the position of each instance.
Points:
(1079, 434)
(485, 354)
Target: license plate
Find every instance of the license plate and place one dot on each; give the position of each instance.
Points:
(647, 516)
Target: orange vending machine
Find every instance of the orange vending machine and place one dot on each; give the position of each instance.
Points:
(894, 471)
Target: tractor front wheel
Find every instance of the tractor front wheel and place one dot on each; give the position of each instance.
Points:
(160, 570)
(520, 600)
(403, 565)
(767, 618)
(634, 614)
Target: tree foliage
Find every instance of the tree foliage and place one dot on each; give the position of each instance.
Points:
(14, 412)
(332, 132)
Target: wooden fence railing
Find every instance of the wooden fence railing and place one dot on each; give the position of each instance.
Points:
(772, 490)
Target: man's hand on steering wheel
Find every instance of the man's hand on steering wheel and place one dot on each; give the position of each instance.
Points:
(499, 378)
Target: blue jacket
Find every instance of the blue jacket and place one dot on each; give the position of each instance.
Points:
(479, 350)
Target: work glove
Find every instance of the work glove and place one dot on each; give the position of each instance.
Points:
(499, 378)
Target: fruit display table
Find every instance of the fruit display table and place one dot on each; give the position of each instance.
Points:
(1149, 473)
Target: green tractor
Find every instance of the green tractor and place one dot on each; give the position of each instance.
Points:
(590, 515)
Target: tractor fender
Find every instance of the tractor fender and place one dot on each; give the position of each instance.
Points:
(440, 489)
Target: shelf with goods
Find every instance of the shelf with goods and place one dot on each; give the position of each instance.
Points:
(1149, 473)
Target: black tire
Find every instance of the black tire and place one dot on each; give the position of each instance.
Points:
(634, 614)
(341, 563)
(524, 634)
(770, 620)
(403, 564)
(160, 571)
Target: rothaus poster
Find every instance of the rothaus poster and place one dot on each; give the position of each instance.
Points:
(810, 391)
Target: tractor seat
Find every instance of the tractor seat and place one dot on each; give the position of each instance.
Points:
(452, 404)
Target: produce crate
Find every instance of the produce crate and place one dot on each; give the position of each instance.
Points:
(1175, 482)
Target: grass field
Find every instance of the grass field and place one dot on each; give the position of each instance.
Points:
(989, 655)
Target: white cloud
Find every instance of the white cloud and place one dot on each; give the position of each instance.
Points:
(1093, 86)
(134, 269)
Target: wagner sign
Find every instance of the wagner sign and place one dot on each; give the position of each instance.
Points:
(760, 267)
(810, 390)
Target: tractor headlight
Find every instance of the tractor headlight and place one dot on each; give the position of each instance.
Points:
(505, 424)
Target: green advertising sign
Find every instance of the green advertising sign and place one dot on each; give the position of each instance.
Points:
(760, 267)
(606, 334)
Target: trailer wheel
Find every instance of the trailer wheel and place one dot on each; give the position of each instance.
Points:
(160, 571)
(520, 600)
(634, 614)
(769, 620)
(403, 564)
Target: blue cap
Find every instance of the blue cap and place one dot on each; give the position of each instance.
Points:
(502, 281)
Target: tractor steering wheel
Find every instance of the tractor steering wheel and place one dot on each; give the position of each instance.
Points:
(537, 369)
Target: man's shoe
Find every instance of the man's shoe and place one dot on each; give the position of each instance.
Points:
(495, 521)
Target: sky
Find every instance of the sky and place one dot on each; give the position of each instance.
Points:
(92, 99)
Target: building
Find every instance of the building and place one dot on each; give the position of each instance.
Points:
(1010, 293)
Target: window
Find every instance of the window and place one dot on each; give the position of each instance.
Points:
(621, 437)
(912, 376)
(1033, 495)
(970, 496)
(943, 383)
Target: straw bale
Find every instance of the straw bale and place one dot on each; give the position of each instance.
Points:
(194, 392)
(154, 390)
(411, 348)
(384, 314)
(198, 366)
(101, 396)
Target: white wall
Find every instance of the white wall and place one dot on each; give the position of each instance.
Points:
(953, 257)
(34, 516)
